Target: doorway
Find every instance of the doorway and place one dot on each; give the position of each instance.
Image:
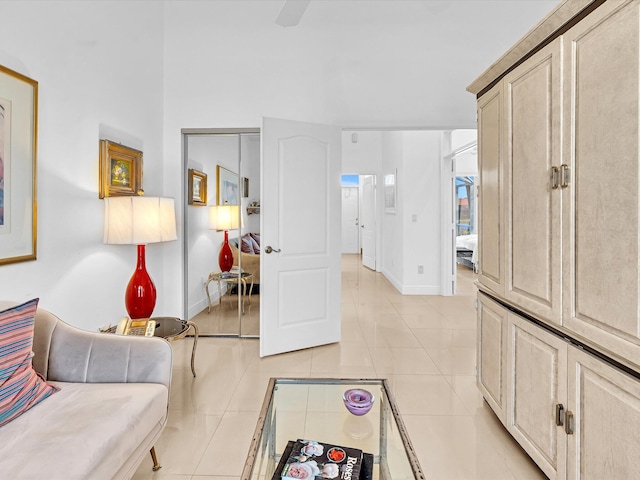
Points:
(466, 205)
(299, 264)
(350, 214)
(223, 160)
(359, 218)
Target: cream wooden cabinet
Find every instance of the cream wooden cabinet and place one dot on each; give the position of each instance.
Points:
(575, 415)
(559, 147)
(559, 240)
(532, 159)
(537, 394)
(601, 257)
(490, 194)
(491, 354)
(604, 420)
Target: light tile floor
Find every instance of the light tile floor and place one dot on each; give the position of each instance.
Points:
(425, 346)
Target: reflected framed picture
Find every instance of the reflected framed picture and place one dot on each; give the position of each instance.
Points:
(228, 188)
(197, 188)
(245, 187)
(120, 170)
(390, 193)
(18, 140)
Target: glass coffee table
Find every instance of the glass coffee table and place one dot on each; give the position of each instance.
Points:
(313, 409)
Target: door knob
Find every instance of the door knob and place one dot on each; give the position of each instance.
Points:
(269, 249)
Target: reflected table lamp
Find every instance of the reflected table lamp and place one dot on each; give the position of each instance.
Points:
(225, 217)
(139, 221)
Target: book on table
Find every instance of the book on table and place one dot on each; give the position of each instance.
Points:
(310, 459)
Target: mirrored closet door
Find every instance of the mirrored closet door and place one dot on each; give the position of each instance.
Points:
(222, 230)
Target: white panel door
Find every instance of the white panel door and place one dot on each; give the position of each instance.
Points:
(300, 222)
(350, 229)
(368, 221)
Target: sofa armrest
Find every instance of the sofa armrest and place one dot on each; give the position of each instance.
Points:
(79, 356)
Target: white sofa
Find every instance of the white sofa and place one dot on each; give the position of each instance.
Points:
(111, 408)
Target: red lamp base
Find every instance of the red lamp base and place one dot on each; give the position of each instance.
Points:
(140, 295)
(225, 259)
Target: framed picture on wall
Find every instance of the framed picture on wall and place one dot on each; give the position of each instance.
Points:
(18, 138)
(120, 170)
(197, 188)
(228, 188)
(390, 193)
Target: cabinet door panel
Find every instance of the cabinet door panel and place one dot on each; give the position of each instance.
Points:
(602, 83)
(490, 244)
(606, 407)
(533, 208)
(537, 383)
(491, 363)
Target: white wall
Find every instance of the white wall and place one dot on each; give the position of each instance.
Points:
(99, 68)
(420, 184)
(363, 156)
(392, 228)
(463, 137)
(467, 161)
(412, 236)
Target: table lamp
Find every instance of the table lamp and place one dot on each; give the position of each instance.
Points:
(138, 221)
(225, 217)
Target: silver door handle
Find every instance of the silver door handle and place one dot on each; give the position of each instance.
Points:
(269, 249)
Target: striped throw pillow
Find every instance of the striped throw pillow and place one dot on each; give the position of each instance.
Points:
(20, 386)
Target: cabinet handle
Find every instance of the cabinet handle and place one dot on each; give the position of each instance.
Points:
(559, 411)
(568, 420)
(555, 176)
(566, 175)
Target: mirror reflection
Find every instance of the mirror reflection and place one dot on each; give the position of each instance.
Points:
(222, 245)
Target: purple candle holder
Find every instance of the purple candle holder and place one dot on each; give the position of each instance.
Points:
(358, 401)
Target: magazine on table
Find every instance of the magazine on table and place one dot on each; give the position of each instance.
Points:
(309, 459)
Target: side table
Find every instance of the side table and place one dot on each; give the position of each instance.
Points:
(232, 279)
(172, 329)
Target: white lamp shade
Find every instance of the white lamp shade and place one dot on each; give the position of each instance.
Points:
(224, 217)
(139, 220)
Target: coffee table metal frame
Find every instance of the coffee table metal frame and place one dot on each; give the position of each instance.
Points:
(263, 435)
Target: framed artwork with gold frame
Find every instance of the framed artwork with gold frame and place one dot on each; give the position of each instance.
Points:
(120, 170)
(18, 142)
(197, 188)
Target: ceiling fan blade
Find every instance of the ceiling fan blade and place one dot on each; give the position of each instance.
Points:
(292, 12)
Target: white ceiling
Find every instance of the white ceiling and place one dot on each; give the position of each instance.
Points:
(369, 63)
